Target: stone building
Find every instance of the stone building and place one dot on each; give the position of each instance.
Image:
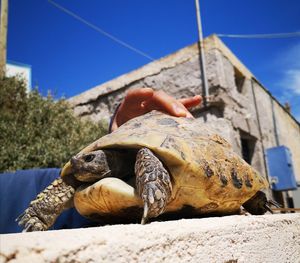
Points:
(253, 119)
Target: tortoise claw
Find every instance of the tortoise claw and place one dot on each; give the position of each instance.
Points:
(145, 214)
(35, 225)
(267, 207)
(27, 229)
(30, 222)
(20, 217)
(274, 203)
(270, 203)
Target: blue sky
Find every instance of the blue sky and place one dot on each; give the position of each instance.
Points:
(68, 57)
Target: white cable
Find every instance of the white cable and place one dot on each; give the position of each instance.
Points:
(101, 31)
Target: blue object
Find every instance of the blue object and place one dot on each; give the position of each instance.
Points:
(19, 188)
(280, 168)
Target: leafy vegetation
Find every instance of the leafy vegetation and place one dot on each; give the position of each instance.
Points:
(38, 132)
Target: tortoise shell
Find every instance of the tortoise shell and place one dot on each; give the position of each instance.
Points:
(207, 175)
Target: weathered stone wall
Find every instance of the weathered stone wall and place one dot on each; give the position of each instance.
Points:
(289, 135)
(264, 106)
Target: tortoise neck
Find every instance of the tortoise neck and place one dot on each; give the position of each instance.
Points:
(120, 162)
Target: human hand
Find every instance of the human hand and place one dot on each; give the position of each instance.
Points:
(140, 101)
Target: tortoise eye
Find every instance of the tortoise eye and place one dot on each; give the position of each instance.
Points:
(89, 158)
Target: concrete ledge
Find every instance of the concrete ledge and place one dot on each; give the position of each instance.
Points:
(268, 238)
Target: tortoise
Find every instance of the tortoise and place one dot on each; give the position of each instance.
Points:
(151, 166)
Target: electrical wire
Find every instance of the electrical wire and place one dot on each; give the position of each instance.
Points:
(101, 31)
(141, 53)
(276, 35)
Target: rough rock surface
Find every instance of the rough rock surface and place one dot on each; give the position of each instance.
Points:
(268, 238)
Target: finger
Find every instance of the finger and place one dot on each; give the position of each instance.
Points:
(162, 101)
(191, 102)
(136, 96)
(171, 105)
(189, 115)
(131, 106)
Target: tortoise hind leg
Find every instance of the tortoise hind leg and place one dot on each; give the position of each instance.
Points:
(48, 205)
(259, 204)
(153, 183)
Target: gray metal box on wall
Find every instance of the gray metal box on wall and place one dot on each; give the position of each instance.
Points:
(280, 168)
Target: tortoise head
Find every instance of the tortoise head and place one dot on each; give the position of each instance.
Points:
(87, 167)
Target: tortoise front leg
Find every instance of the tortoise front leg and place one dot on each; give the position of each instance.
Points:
(48, 205)
(153, 183)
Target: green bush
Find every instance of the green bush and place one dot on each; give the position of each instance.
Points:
(38, 132)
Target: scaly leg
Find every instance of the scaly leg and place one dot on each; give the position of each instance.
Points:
(153, 183)
(48, 205)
